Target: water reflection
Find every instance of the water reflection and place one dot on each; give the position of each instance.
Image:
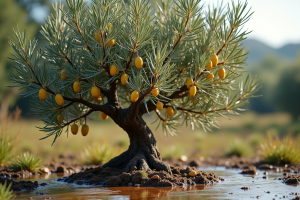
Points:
(151, 192)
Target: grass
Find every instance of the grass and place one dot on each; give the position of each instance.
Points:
(143, 174)
(281, 151)
(7, 144)
(27, 161)
(239, 149)
(8, 137)
(98, 154)
(190, 143)
(5, 193)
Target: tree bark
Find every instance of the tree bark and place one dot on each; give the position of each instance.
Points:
(143, 153)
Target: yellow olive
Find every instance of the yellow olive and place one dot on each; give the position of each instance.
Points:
(74, 129)
(139, 62)
(95, 92)
(42, 94)
(170, 111)
(108, 25)
(189, 83)
(209, 66)
(214, 60)
(97, 38)
(104, 116)
(193, 91)
(155, 92)
(111, 43)
(85, 130)
(59, 118)
(193, 173)
(159, 105)
(113, 70)
(210, 76)
(221, 73)
(124, 78)
(134, 96)
(76, 86)
(59, 100)
(63, 73)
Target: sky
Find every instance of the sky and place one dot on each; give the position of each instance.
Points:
(274, 22)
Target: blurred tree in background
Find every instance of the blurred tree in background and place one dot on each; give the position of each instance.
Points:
(281, 91)
(286, 93)
(15, 12)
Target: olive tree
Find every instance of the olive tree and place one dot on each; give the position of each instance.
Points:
(180, 60)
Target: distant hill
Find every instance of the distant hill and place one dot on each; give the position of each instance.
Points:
(259, 50)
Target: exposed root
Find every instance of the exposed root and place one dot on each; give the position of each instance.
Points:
(139, 162)
(158, 164)
(118, 162)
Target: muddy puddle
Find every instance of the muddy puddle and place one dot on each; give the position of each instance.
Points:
(259, 187)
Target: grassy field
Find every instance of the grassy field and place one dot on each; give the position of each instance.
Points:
(247, 131)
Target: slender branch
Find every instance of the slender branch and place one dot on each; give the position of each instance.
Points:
(96, 107)
(76, 119)
(134, 108)
(225, 43)
(160, 117)
(179, 39)
(182, 92)
(199, 112)
(130, 59)
(88, 47)
(103, 44)
(66, 106)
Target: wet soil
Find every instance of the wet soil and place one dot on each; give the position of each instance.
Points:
(255, 186)
(21, 185)
(112, 178)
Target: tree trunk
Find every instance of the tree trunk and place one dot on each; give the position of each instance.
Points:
(143, 153)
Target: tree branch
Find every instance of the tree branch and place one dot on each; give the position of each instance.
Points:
(199, 112)
(179, 39)
(76, 119)
(134, 107)
(88, 47)
(225, 43)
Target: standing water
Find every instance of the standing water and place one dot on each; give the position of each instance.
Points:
(258, 188)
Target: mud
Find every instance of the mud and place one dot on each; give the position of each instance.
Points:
(292, 179)
(113, 178)
(21, 185)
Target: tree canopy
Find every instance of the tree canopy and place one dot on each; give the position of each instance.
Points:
(181, 56)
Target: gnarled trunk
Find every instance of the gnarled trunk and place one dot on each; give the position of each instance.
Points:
(142, 153)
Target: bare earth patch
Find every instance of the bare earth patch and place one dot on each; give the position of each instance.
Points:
(113, 178)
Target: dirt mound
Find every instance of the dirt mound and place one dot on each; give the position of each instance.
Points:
(292, 179)
(21, 185)
(112, 178)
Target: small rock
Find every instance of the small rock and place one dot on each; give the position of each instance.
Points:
(265, 177)
(44, 170)
(61, 169)
(245, 188)
(183, 158)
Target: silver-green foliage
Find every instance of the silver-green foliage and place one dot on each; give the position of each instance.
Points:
(175, 39)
